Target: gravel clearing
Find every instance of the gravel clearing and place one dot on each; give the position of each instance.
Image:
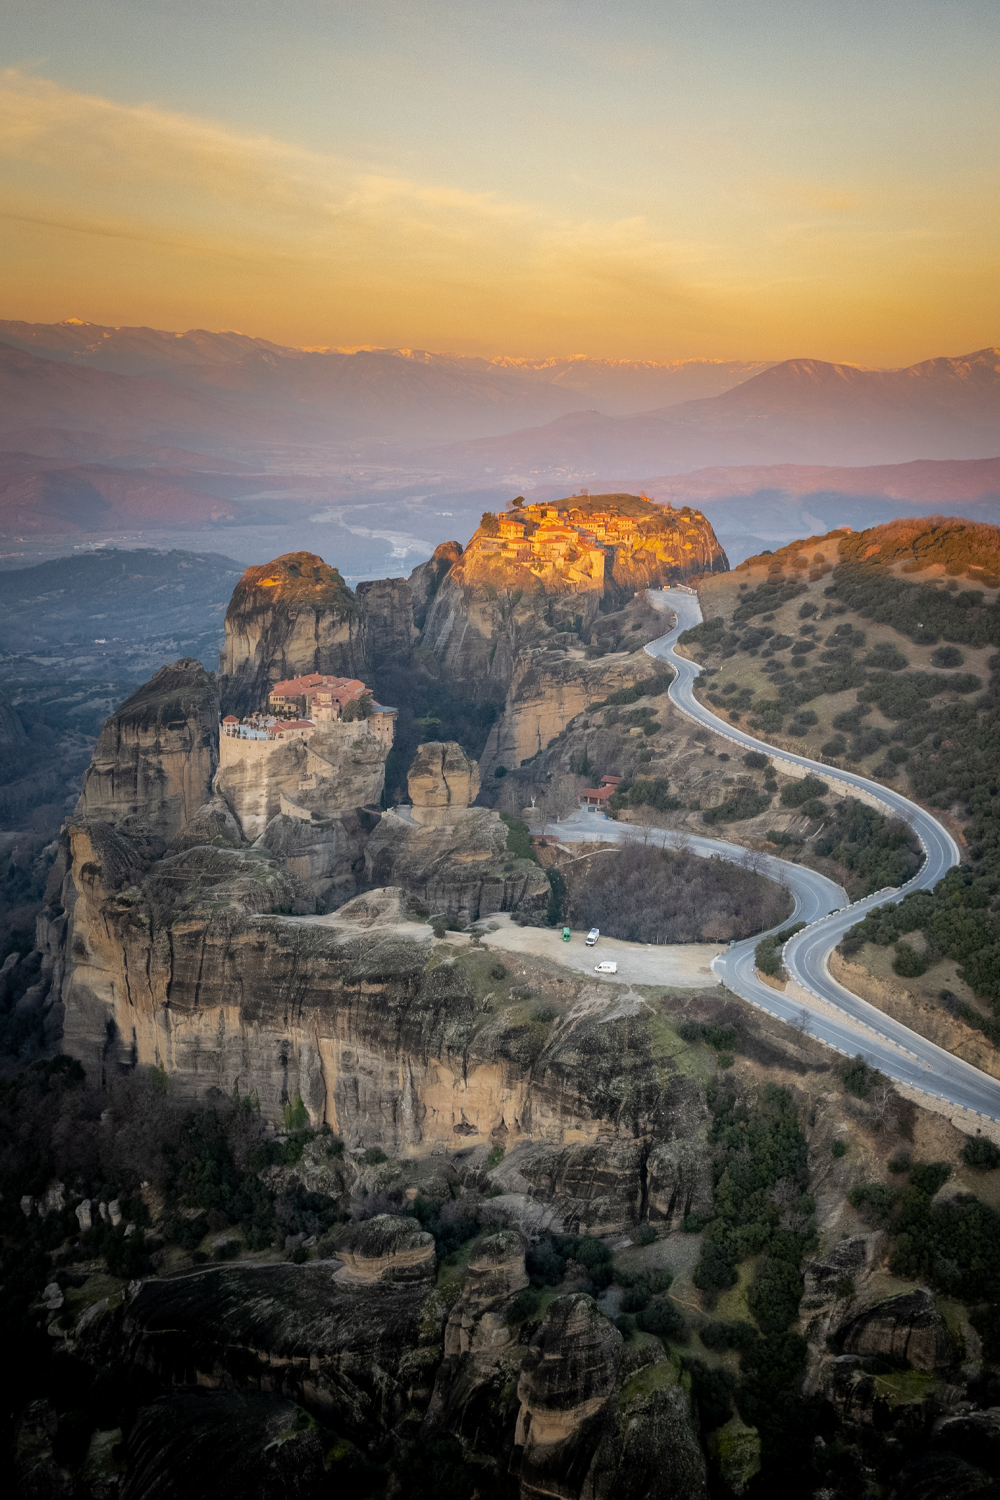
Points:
(677, 965)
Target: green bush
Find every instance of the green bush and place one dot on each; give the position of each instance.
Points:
(838, 1149)
(660, 1317)
(874, 1201)
(980, 1152)
(796, 793)
(858, 1077)
(518, 838)
(644, 1235)
(774, 1294)
(908, 963)
(744, 803)
(525, 1305)
(636, 1297)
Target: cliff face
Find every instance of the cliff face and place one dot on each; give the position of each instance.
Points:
(452, 857)
(198, 964)
(546, 691)
(339, 768)
(503, 595)
(153, 764)
(387, 628)
(287, 618)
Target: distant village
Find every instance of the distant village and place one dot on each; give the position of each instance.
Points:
(302, 705)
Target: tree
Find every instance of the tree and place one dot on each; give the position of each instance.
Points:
(489, 524)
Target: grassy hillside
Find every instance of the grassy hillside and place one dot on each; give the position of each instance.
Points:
(877, 651)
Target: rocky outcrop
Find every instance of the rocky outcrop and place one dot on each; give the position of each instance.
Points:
(287, 618)
(451, 857)
(442, 781)
(679, 1178)
(340, 768)
(568, 1376)
(386, 1248)
(248, 1443)
(906, 1328)
(460, 870)
(492, 605)
(426, 578)
(387, 629)
(357, 1354)
(154, 761)
(325, 853)
(546, 691)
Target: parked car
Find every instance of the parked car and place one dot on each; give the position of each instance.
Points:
(592, 936)
(606, 966)
(566, 934)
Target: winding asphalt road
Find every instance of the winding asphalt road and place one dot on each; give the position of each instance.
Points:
(815, 1001)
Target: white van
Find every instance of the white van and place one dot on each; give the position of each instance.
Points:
(592, 936)
(606, 966)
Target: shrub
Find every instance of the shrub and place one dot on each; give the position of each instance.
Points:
(636, 1297)
(756, 760)
(839, 1149)
(874, 1201)
(525, 1305)
(947, 656)
(858, 1077)
(374, 1156)
(744, 803)
(908, 963)
(796, 793)
(774, 1295)
(713, 1391)
(662, 1318)
(644, 1235)
(981, 1153)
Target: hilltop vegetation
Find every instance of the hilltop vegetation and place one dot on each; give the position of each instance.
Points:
(886, 687)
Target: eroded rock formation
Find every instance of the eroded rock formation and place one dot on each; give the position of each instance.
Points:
(453, 858)
(287, 618)
(154, 761)
(442, 781)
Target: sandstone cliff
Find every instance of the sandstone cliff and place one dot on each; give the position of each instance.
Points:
(494, 603)
(452, 857)
(287, 618)
(153, 764)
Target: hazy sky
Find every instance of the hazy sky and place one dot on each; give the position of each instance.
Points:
(733, 178)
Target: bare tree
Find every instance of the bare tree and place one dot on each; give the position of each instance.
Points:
(880, 1099)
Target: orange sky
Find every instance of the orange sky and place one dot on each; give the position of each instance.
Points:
(701, 181)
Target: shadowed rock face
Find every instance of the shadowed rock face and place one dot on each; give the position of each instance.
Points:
(908, 1327)
(386, 1248)
(153, 763)
(387, 628)
(247, 1444)
(352, 1353)
(287, 618)
(568, 1375)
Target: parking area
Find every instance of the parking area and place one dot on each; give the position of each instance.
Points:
(677, 965)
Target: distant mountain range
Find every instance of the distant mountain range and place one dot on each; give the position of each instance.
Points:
(801, 411)
(135, 430)
(124, 387)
